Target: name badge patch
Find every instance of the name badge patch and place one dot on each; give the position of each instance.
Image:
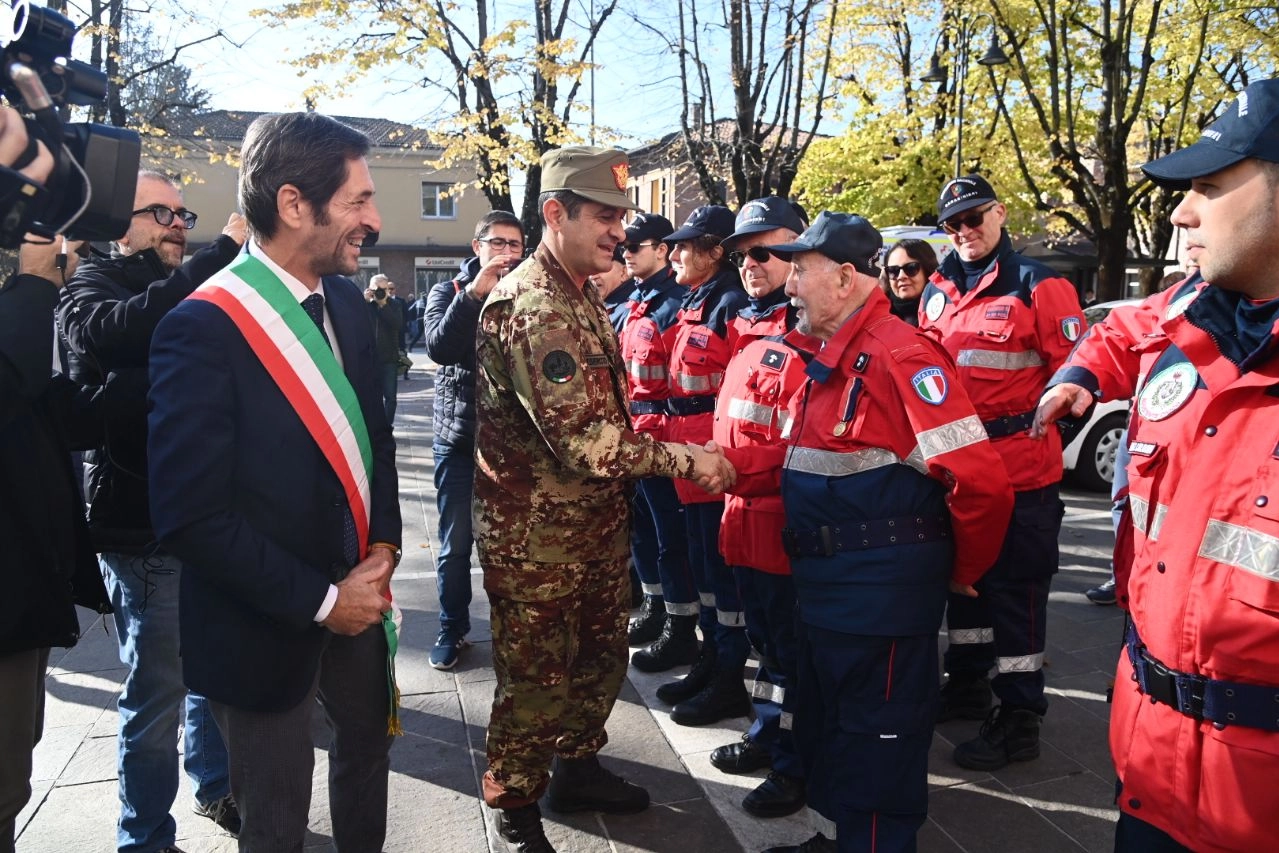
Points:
(596, 360)
(998, 312)
(1142, 448)
(699, 340)
(644, 332)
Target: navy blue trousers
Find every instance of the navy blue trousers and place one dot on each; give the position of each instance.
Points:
(659, 545)
(769, 603)
(721, 618)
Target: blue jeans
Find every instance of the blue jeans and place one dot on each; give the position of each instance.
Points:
(454, 476)
(144, 593)
(390, 375)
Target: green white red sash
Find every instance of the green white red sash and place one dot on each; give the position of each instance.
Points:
(289, 344)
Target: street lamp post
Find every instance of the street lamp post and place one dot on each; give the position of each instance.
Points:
(937, 74)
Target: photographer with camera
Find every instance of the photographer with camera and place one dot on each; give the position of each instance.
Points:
(388, 327)
(107, 314)
(48, 565)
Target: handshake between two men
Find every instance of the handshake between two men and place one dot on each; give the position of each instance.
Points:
(712, 471)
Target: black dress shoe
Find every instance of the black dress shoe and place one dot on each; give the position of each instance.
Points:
(777, 796)
(817, 844)
(745, 756)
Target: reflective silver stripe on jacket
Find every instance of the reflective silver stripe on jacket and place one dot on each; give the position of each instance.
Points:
(951, 436)
(829, 463)
(646, 371)
(999, 360)
(767, 691)
(710, 382)
(783, 421)
(745, 410)
(1024, 663)
(1242, 547)
(1141, 519)
(970, 636)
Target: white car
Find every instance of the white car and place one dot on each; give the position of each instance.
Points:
(1090, 456)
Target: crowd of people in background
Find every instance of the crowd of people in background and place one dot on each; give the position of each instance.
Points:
(808, 446)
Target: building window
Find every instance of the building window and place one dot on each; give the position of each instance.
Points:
(426, 279)
(368, 268)
(436, 201)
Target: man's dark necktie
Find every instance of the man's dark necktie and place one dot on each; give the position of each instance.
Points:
(313, 305)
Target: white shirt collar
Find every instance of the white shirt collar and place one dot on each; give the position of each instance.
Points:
(299, 290)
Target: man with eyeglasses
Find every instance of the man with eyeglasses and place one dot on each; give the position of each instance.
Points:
(667, 623)
(107, 314)
(1009, 322)
(750, 411)
(449, 321)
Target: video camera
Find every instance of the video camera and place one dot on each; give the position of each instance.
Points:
(89, 195)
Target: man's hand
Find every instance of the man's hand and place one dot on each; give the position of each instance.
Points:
(41, 259)
(1058, 402)
(711, 470)
(13, 141)
(963, 589)
(361, 602)
(490, 273)
(237, 228)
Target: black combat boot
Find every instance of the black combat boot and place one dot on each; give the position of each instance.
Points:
(648, 626)
(964, 699)
(676, 646)
(817, 844)
(674, 692)
(583, 784)
(1009, 734)
(723, 697)
(522, 828)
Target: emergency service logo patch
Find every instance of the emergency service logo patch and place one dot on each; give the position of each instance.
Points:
(930, 384)
(559, 366)
(1070, 328)
(936, 304)
(1167, 391)
(1179, 305)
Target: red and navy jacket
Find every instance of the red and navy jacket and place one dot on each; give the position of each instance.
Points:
(646, 339)
(699, 356)
(1007, 335)
(890, 469)
(752, 411)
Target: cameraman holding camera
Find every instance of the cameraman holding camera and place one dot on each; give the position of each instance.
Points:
(107, 314)
(388, 328)
(48, 565)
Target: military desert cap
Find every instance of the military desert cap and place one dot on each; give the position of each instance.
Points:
(648, 226)
(596, 174)
(964, 194)
(764, 214)
(845, 238)
(1248, 128)
(708, 220)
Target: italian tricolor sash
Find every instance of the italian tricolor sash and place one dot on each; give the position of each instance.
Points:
(289, 345)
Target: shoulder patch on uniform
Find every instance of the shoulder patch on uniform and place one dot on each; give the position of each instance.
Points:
(931, 385)
(558, 366)
(774, 358)
(1071, 327)
(1179, 305)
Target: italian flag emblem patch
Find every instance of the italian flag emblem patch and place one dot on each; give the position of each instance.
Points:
(930, 384)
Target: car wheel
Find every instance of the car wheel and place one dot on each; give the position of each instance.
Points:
(1096, 466)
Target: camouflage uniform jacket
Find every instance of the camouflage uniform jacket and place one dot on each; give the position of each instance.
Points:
(554, 445)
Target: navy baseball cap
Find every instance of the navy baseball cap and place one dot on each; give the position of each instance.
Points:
(1248, 128)
(963, 194)
(845, 238)
(708, 220)
(764, 214)
(648, 226)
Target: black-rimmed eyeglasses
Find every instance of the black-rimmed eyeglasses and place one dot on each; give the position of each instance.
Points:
(758, 254)
(499, 244)
(164, 215)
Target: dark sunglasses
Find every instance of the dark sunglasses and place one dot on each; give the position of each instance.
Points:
(164, 215)
(911, 269)
(967, 220)
(634, 248)
(758, 254)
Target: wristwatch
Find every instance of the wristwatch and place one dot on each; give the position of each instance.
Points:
(396, 553)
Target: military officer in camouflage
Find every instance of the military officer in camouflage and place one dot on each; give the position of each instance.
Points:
(554, 452)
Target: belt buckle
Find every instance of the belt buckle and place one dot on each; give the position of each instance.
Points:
(827, 538)
(1190, 695)
(790, 542)
(1160, 683)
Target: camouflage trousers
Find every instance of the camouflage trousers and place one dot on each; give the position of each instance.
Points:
(559, 664)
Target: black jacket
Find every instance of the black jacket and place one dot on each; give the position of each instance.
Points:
(107, 314)
(48, 564)
(388, 331)
(449, 323)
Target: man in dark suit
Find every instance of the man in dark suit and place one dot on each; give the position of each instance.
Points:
(273, 479)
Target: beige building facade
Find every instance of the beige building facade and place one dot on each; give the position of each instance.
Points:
(427, 216)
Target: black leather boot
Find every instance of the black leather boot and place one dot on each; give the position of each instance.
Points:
(648, 626)
(964, 699)
(583, 784)
(522, 828)
(1009, 734)
(676, 646)
(723, 697)
(674, 692)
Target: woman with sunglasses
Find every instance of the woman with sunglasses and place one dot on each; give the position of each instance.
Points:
(910, 263)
